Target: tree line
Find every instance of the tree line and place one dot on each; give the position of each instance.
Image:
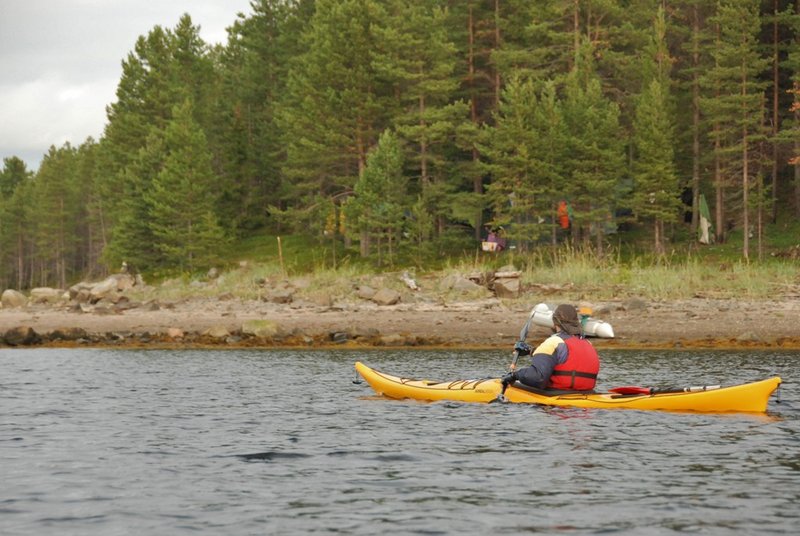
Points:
(388, 123)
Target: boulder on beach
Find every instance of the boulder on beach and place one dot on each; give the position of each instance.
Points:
(21, 336)
(46, 295)
(386, 296)
(13, 298)
(263, 329)
(217, 332)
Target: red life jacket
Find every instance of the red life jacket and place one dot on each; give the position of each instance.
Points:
(579, 371)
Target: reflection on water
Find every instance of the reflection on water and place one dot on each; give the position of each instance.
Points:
(267, 442)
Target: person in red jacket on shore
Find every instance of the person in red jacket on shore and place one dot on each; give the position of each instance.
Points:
(564, 361)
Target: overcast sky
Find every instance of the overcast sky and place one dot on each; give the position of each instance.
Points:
(60, 62)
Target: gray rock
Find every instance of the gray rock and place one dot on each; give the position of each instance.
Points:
(263, 329)
(634, 304)
(507, 287)
(386, 296)
(21, 336)
(68, 334)
(83, 295)
(465, 285)
(217, 332)
(323, 300)
(748, 336)
(13, 298)
(360, 332)
(83, 288)
(46, 295)
(365, 292)
(339, 337)
(175, 333)
(103, 289)
(124, 281)
(394, 339)
(280, 295)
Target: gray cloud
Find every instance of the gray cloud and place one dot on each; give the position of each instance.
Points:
(60, 62)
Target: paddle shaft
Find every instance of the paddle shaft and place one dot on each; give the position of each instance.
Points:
(635, 390)
(523, 334)
(502, 396)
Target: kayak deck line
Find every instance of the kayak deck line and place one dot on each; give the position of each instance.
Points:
(453, 385)
(748, 397)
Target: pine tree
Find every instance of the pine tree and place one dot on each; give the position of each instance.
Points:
(526, 149)
(595, 152)
(376, 210)
(253, 77)
(14, 180)
(335, 106)
(57, 212)
(183, 197)
(656, 189)
(738, 102)
(791, 129)
(131, 239)
(13, 173)
(690, 34)
(165, 68)
(415, 56)
(656, 196)
(17, 222)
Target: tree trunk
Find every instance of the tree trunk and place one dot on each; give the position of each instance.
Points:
(576, 31)
(760, 219)
(775, 103)
(423, 146)
(497, 47)
(656, 238)
(745, 183)
(796, 109)
(719, 198)
(361, 149)
(364, 245)
(477, 182)
(797, 177)
(20, 260)
(473, 105)
(695, 120)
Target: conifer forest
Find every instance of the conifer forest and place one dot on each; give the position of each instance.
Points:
(384, 124)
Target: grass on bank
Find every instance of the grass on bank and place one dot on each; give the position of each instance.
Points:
(259, 263)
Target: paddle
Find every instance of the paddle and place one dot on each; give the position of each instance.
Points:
(523, 334)
(635, 390)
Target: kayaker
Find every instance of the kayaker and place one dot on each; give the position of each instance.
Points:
(565, 360)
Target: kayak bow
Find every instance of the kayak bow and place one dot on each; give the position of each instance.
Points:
(748, 397)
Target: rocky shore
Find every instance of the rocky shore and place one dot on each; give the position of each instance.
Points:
(485, 322)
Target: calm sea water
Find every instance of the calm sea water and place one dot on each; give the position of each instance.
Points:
(283, 442)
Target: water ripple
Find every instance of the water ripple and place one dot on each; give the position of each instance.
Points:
(152, 442)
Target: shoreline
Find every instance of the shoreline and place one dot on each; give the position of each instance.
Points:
(698, 323)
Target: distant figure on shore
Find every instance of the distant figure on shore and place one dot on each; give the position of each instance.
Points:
(495, 237)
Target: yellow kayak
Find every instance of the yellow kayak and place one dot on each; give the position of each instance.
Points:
(748, 397)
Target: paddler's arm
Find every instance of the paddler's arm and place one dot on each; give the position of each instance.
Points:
(544, 359)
